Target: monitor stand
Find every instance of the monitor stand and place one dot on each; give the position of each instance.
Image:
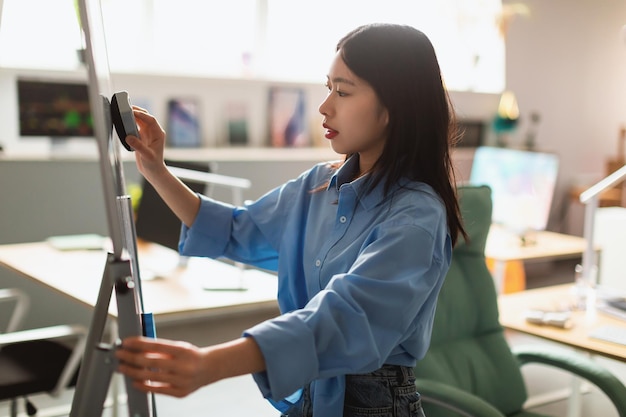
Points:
(66, 145)
(527, 238)
(59, 144)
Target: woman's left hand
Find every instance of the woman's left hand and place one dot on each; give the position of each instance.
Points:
(179, 368)
(164, 366)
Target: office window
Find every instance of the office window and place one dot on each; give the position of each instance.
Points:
(273, 39)
(301, 36)
(204, 37)
(39, 34)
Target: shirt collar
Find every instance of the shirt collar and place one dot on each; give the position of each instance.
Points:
(344, 175)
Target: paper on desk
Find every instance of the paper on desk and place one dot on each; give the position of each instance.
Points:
(78, 242)
(220, 276)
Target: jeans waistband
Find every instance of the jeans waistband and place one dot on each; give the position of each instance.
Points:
(403, 374)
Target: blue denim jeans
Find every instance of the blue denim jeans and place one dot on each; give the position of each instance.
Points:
(387, 392)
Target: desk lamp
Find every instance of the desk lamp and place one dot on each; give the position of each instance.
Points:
(590, 198)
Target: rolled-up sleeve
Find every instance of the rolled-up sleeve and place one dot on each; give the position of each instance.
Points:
(211, 231)
(224, 230)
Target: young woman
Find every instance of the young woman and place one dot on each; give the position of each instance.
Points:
(361, 247)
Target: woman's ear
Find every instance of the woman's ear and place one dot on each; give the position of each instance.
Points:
(385, 116)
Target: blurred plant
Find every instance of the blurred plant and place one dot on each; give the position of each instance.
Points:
(506, 118)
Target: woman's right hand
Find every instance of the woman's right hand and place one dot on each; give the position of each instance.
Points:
(150, 147)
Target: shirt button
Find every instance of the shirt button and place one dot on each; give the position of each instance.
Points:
(318, 263)
(342, 219)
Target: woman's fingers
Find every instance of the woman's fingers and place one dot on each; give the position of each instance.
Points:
(141, 109)
(146, 352)
(140, 343)
(143, 116)
(160, 388)
(149, 145)
(135, 143)
(157, 381)
(160, 366)
(148, 124)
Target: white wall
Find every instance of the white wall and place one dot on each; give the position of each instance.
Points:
(568, 62)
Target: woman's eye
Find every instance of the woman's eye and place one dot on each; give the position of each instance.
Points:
(331, 89)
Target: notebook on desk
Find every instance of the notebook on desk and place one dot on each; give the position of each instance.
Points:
(610, 333)
(611, 302)
(612, 310)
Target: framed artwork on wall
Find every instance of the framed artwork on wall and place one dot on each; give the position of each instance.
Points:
(236, 123)
(288, 117)
(183, 125)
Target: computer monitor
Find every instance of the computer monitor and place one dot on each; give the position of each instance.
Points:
(522, 184)
(472, 133)
(57, 109)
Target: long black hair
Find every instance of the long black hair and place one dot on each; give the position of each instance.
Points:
(400, 64)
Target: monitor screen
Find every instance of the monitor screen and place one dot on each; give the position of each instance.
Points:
(55, 109)
(522, 184)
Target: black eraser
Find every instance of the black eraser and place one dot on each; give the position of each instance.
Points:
(123, 117)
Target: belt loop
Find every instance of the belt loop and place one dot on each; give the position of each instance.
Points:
(405, 375)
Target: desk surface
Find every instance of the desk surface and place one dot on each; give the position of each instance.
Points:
(503, 245)
(559, 297)
(175, 293)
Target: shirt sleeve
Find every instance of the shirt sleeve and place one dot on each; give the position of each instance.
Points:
(223, 230)
(362, 317)
(250, 234)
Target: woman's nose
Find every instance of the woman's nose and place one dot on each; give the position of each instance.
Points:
(324, 106)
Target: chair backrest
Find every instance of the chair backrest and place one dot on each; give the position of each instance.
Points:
(468, 348)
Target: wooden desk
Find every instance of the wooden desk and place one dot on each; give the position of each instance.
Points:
(177, 294)
(504, 247)
(559, 297)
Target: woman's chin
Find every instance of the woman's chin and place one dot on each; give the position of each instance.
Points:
(341, 150)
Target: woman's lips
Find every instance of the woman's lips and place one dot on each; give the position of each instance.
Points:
(330, 133)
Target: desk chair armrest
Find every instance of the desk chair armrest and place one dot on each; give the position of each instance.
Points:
(579, 365)
(60, 332)
(44, 333)
(452, 398)
(22, 303)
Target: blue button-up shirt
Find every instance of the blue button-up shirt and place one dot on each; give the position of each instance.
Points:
(358, 275)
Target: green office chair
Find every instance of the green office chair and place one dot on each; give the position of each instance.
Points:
(470, 370)
(42, 360)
